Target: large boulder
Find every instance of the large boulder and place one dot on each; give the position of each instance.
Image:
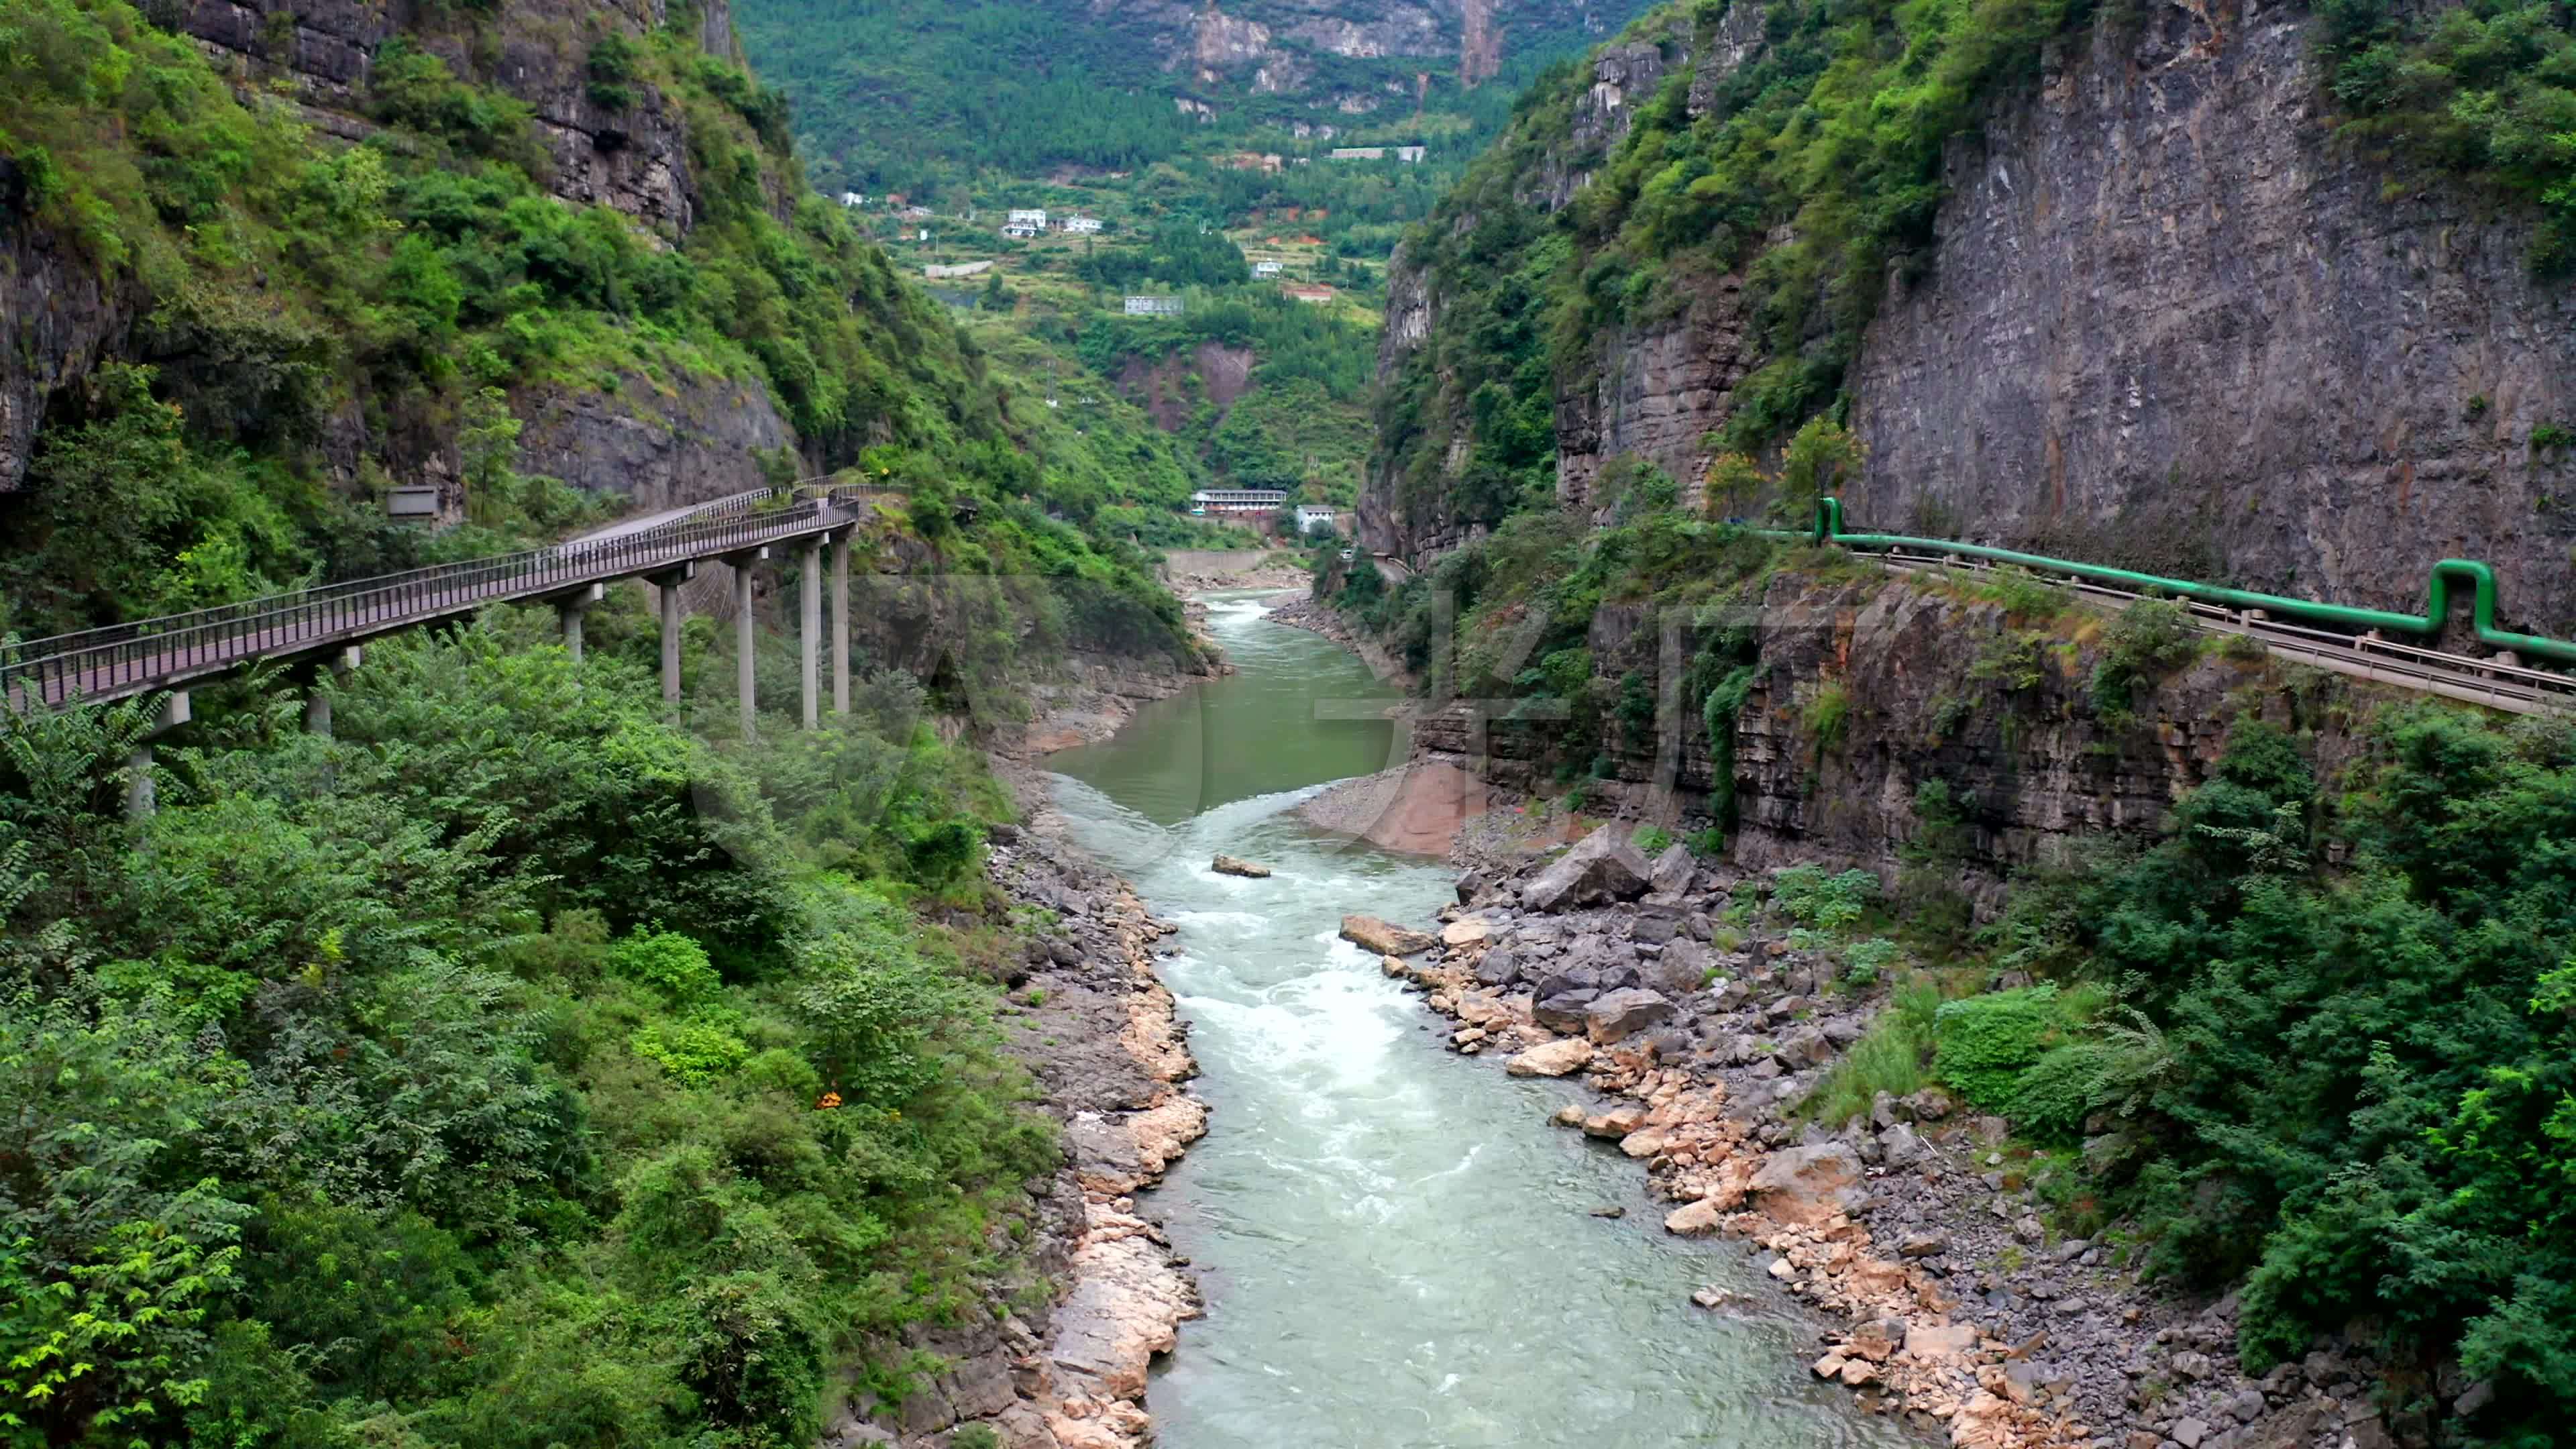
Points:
(1808, 1184)
(1552, 1059)
(1466, 932)
(1386, 938)
(1623, 1013)
(1671, 873)
(1498, 968)
(1682, 969)
(1602, 868)
(1567, 1011)
(1230, 865)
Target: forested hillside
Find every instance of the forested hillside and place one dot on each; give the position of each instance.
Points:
(913, 96)
(402, 1089)
(506, 1063)
(240, 331)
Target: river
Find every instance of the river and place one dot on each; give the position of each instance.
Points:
(1396, 1247)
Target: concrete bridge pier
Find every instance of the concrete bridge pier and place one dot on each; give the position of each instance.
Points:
(666, 588)
(742, 632)
(841, 619)
(568, 610)
(317, 700)
(809, 627)
(141, 796)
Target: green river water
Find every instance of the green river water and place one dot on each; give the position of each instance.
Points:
(1397, 1249)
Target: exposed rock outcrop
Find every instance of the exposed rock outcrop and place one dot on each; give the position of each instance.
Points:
(658, 447)
(2018, 765)
(1107, 1052)
(2206, 337)
(58, 316)
(2166, 320)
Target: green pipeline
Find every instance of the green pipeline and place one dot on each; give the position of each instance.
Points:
(2469, 572)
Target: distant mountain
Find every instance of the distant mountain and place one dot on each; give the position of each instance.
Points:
(907, 94)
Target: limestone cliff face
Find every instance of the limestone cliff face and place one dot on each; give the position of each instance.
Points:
(657, 445)
(2168, 322)
(56, 314)
(1652, 390)
(2028, 767)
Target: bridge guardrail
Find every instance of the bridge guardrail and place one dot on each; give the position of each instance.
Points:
(119, 657)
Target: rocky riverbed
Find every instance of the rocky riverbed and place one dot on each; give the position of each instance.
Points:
(1953, 1302)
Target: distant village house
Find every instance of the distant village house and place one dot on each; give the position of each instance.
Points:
(852, 198)
(1309, 292)
(1081, 225)
(1153, 306)
(1378, 153)
(1318, 518)
(1265, 269)
(938, 273)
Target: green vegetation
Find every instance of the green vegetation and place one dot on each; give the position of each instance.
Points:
(2352, 1086)
(1894, 1056)
(2144, 640)
(1813, 171)
(1812, 898)
(399, 1090)
(410, 282)
(2485, 90)
(920, 97)
(1831, 133)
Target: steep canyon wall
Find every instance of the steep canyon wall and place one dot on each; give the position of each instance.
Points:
(2167, 319)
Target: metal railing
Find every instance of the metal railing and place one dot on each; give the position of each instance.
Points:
(123, 659)
(2491, 682)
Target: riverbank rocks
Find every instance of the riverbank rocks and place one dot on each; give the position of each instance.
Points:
(1465, 932)
(1612, 1123)
(1552, 1059)
(1385, 937)
(1601, 868)
(1808, 1184)
(1231, 865)
(1618, 1015)
(1694, 1219)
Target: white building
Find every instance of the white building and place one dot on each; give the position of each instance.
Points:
(1153, 306)
(1020, 229)
(1317, 518)
(1081, 225)
(1237, 500)
(1265, 269)
(938, 273)
(1030, 216)
(852, 198)
(1378, 153)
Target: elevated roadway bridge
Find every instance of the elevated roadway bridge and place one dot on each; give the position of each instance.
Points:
(326, 627)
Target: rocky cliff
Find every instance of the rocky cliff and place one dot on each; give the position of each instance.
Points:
(2199, 334)
(2164, 317)
(1867, 689)
(657, 442)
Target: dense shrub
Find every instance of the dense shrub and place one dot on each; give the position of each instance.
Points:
(2351, 1085)
(337, 1105)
